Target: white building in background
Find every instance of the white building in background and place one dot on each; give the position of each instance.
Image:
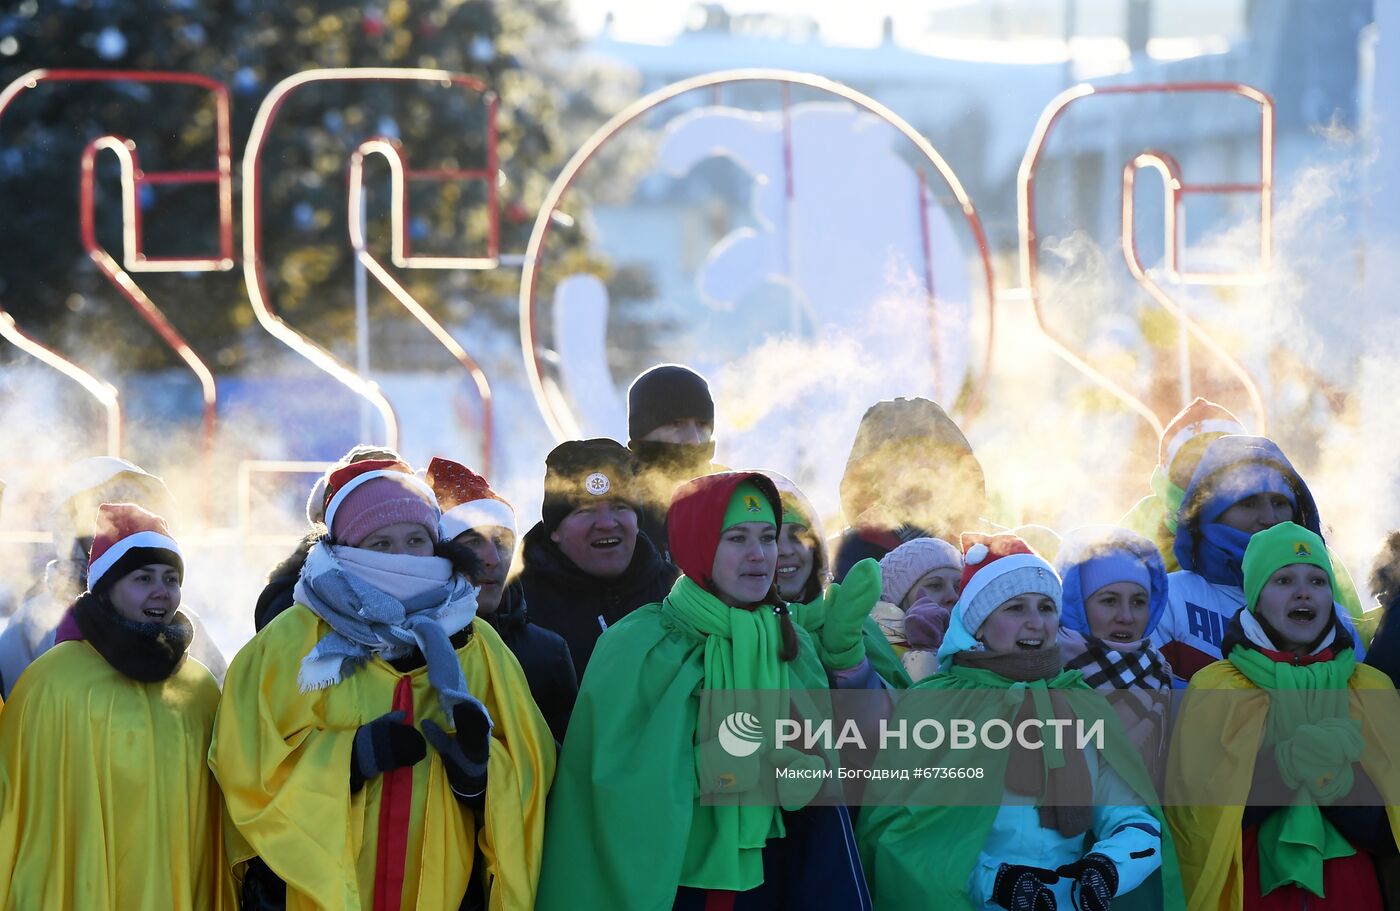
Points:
(973, 77)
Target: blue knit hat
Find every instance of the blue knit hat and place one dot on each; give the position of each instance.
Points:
(1092, 556)
(1244, 480)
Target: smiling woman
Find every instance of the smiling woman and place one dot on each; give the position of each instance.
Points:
(145, 751)
(1073, 830)
(703, 814)
(150, 593)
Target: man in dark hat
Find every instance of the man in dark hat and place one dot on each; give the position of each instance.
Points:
(670, 426)
(585, 563)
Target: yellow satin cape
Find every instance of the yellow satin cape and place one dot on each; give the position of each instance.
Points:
(283, 759)
(1217, 741)
(105, 797)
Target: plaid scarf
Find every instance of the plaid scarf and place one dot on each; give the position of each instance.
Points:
(1136, 680)
(1106, 668)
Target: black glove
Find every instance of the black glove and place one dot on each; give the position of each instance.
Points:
(382, 745)
(262, 890)
(1019, 888)
(1095, 882)
(464, 755)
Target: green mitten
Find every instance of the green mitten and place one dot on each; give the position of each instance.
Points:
(847, 605)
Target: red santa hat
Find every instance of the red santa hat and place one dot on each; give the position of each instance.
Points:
(128, 537)
(466, 499)
(363, 497)
(997, 568)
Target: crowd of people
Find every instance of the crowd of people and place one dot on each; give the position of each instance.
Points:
(438, 712)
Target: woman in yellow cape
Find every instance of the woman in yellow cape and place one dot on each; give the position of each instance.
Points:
(377, 744)
(105, 797)
(1292, 825)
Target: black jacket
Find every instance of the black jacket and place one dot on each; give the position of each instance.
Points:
(1384, 651)
(662, 468)
(577, 606)
(543, 655)
(277, 594)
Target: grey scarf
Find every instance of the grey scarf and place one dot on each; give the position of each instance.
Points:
(365, 621)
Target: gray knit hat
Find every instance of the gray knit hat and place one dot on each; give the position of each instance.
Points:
(902, 567)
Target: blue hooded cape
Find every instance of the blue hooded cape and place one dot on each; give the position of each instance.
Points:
(1201, 556)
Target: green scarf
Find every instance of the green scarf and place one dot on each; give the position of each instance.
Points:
(961, 677)
(811, 617)
(740, 653)
(741, 646)
(628, 772)
(1315, 742)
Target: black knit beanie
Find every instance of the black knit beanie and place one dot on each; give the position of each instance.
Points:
(133, 560)
(666, 393)
(585, 471)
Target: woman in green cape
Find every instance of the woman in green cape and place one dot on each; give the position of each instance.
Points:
(650, 808)
(1070, 830)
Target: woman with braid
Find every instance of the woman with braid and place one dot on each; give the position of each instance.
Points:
(650, 809)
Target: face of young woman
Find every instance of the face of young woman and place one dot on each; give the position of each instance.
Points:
(796, 557)
(1117, 612)
(408, 538)
(745, 561)
(150, 594)
(1256, 513)
(1297, 603)
(938, 585)
(1024, 623)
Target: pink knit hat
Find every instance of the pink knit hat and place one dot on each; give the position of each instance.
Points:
(366, 496)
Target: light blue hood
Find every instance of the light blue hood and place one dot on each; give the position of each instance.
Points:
(1080, 546)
